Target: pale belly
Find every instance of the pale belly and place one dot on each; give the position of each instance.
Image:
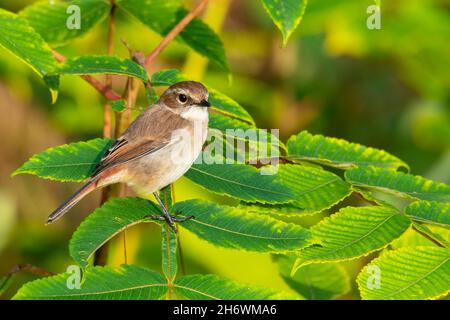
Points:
(157, 170)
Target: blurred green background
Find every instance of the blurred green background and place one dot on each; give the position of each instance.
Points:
(385, 88)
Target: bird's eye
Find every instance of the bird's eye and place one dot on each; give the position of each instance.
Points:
(182, 98)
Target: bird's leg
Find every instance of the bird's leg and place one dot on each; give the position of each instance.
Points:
(167, 216)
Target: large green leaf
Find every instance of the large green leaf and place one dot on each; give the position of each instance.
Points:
(430, 212)
(69, 162)
(20, 39)
(232, 227)
(314, 189)
(49, 18)
(338, 152)
(322, 281)
(107, 221)
(408, 273)
(211, 287)
(128, 282)
(286, 14)
(162, 15)
(399, 183)
(352, 233)
(236, 145)
(219, 101)
(412, 238)
(102, 65)
(241, 181)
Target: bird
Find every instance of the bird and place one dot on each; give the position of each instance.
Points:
(156, 149)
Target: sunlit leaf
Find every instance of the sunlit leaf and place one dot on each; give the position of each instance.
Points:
(430, 212)
(50, 18)
(232, 227)
(352, 233)
(69, 162)
(242, 181)
(398, 183)
(21, 40)
(211, 287)
(286, 14)
(407, 274)
(128, 282)
(322, 281)
(102, 65)
(162, 15)
(338, 152)
(314, 189)
(107, 221)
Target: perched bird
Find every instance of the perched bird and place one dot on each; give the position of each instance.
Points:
(157, 148)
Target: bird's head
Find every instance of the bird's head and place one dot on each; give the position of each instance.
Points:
(187, 98)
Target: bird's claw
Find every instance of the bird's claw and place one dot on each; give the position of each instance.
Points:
(170, 222)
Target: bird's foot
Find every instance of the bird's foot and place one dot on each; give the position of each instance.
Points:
(170, 221)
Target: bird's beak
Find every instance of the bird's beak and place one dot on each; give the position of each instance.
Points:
(204, 103)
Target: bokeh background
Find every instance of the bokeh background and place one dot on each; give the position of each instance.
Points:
(385, 88)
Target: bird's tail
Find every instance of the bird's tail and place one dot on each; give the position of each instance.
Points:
(73, 200)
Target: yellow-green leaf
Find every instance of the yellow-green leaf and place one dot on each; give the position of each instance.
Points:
(398, 183)
(353, 232)
(413, 273)
(338, 153)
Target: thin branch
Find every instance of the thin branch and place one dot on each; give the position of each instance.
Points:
(107, 110)
(174, 32)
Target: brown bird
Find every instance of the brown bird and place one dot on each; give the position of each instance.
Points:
(157, 148)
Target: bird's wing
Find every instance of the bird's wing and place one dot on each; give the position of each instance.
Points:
(123, 151)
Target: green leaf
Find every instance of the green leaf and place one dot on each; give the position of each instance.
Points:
(95, 64)
(412, 238)
(162, 15)
(232, 227)
(398, 183)
(241, 181)
(107, 221)
(235, 145)
(434, 237)
(314, 188)
(21, 40)
(6, 282)
(352, 233)
(211, 287)
(128, 282)
(338, 152)
(415, 273)
(219, 102)
(286, 14)
(118, 105)
(322, 281)
(50, 19)
(430, 212)
(69, 162)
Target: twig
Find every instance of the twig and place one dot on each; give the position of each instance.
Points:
(174, 32)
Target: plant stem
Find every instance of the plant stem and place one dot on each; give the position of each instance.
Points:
(101, 255)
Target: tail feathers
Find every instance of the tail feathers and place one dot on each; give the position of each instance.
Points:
(73, 200)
